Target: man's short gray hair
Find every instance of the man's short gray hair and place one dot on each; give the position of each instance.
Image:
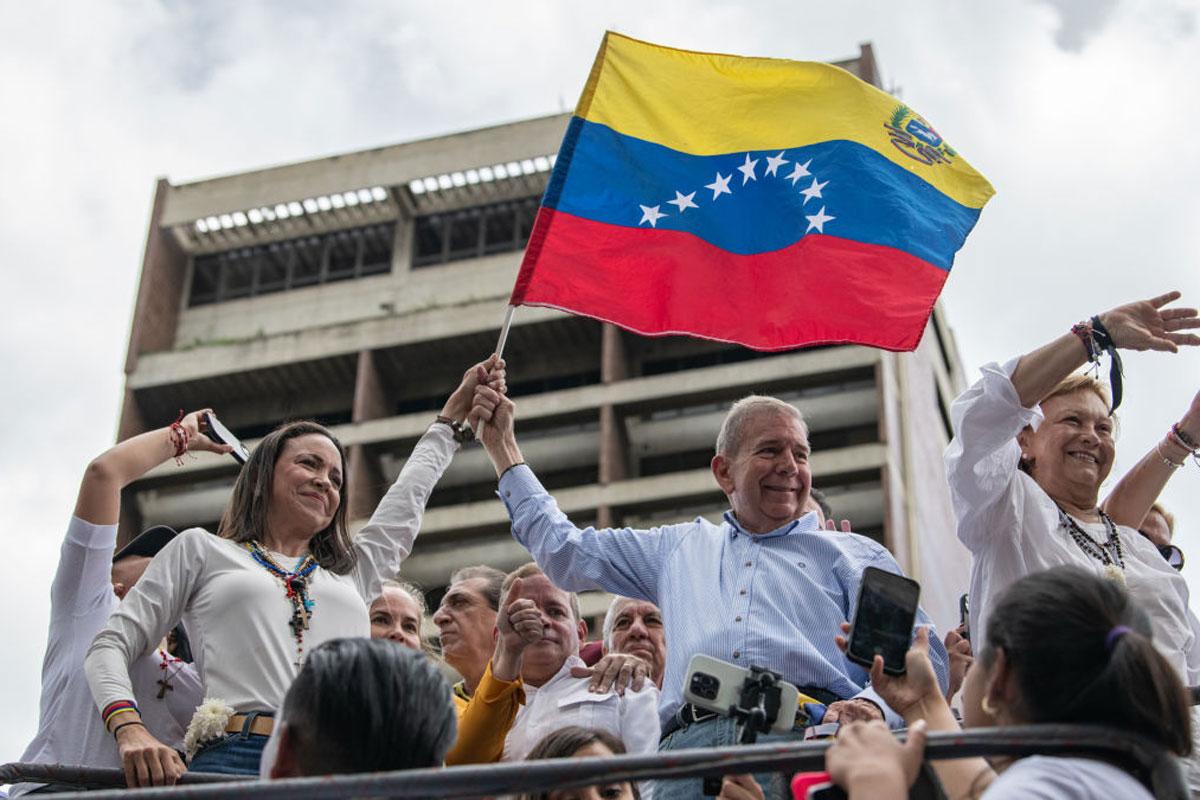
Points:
(610, 619)
(729, 440)
(493, 579)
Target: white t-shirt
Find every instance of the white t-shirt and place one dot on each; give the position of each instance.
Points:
(1012, 527)
(81, 599)
(1047, 778)
(239, 612)
(564, 700)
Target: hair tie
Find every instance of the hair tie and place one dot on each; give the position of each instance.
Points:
(1116, 633)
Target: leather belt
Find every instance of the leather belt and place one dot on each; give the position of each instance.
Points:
(250, 723)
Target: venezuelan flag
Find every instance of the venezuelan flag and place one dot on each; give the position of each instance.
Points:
(771, 203)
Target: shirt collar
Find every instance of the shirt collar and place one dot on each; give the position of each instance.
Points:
(805, 524)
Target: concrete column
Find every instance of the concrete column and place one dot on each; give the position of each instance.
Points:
(367, 484)
(155, 320)
(614, 443)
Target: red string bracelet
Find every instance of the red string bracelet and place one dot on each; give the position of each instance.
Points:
(1087, 335)
(179, 438)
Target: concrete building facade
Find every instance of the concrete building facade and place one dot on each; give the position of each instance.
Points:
(355, 290)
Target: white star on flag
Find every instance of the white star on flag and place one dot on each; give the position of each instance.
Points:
(747, 170)
(800, 171)
(814, 190)
(775, 162)
(720, 186)
(652, 215)
(818, 221)
(683, 201)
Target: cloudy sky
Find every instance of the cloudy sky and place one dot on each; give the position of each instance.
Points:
(1082, 113)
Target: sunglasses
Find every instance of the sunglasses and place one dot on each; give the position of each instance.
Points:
(1173, 555)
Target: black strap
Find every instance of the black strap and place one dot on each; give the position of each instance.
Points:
(1116, 372)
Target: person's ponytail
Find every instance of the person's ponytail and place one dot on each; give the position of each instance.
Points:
(1081, 652)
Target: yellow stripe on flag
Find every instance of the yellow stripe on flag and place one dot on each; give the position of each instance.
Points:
(709, 103)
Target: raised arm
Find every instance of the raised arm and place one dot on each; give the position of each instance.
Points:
(387, 538)
(489, 715)
(624, 561)
(1144, 325)
(99, 500)
(1131, 498)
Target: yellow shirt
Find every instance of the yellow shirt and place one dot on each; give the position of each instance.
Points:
(484, 719)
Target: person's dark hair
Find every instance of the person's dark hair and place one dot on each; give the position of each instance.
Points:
(1062, 634)
(565, 742)
(493, 579)
(822, 502)
(245, 517)
(369, 705)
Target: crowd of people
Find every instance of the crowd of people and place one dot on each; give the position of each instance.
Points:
(282, 646)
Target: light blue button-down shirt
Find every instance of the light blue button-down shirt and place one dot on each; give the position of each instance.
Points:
(773, 600)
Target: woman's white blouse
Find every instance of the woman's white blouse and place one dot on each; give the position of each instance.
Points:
(236, 613)
(1011, 526)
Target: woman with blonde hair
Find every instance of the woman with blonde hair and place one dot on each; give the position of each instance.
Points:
(1034, 443)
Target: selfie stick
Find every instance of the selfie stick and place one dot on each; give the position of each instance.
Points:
(508, 317)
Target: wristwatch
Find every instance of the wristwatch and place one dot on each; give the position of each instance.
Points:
(462, 433)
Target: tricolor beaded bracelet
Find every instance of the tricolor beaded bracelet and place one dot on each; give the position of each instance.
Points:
(117, 707)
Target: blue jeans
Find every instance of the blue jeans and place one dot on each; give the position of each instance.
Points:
(232, 754)
(720, 732)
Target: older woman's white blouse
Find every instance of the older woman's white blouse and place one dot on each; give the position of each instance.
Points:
(1011, 526)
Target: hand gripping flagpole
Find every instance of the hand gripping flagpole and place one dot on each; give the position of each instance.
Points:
(508, 318)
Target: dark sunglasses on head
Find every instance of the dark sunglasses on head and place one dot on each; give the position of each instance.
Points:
(1173, 555)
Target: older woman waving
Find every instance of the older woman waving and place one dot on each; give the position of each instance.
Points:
(281, 576)
(1033, 443)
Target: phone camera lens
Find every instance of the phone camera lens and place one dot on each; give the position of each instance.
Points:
(705, 685)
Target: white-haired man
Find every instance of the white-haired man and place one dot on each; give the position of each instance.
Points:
(765, 587)
(635, 627)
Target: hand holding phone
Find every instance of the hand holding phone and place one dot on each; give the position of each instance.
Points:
(883, 620)
(213, 429)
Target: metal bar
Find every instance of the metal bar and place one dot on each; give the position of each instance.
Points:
(498, 779)
(87, 776)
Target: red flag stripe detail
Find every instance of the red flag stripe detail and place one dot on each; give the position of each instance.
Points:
(821, 290)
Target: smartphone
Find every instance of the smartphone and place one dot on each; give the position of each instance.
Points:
(964, 616)
(883, 619)
(717, 685)
(214, 430)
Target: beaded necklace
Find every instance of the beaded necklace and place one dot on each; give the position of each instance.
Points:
(1108, 553)
(295, 587)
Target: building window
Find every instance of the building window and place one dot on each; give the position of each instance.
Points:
(292, 264)
(473, 232)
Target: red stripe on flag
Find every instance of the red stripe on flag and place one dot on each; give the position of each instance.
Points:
(821, 290)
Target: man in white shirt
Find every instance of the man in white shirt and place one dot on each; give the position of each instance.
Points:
(555, 699)
(635, 627)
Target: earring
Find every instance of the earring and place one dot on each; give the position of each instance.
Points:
(988, 708)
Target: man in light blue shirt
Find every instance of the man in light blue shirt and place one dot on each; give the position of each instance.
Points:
(766, 586)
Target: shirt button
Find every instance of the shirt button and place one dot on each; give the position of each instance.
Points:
(737, 654)
(749, 563)
(737, 619)
(507, 494)
(741, 591)
(801, 564)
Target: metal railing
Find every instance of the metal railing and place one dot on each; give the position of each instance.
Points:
(1159, 768)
